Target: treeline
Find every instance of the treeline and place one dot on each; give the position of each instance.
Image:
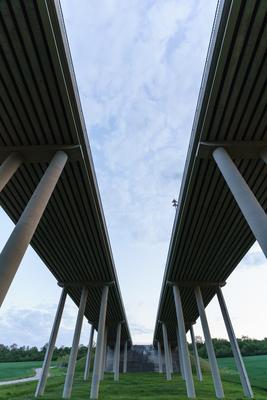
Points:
(222, 347)
(248, 347)
(26, 353)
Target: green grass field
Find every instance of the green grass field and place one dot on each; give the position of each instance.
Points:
(9, 371)
(256, 368)
(143, 386)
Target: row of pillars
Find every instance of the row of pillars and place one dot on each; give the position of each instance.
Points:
(182, 346)
(10, 259)
(100, 354)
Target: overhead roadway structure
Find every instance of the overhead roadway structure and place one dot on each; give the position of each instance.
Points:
(211, 234)
(40, 120)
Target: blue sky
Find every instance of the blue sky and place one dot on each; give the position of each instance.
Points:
(138, 66)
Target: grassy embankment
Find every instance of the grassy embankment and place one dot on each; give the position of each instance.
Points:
(256, 368)
(143, 386)
(17, 370)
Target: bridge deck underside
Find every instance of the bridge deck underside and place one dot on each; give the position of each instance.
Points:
(210, 235)
(39, 106)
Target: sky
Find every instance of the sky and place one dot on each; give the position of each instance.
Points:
(138, 65)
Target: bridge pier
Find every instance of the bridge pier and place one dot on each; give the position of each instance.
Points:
(209, 346)
(104, 358)
(181, 365)
(99, 345)
(51, 345)
(245, 198)
(125, 354)
(117, 353)
(197, 362)
(89, 354)
(171, 362)
(160, 358)
(166, 352)
(190, 388)
(23, 232)
(114, 359)
(234, 345)
(75, 346)
(8, 168)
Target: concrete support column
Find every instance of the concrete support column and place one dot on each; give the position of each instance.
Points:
(89, 355)
(51, 345)
(209, 346)
(125, 357)
(180, 354)
(249, 205)
(75, 346)
(104, 358)
(22, 234)
(8, 168)
(117, 353)
(114, 359)
(166, 352)
(99, 345)
(190, 388)
(160, 358)
(234, 345)
(197, 362)
(171, 363)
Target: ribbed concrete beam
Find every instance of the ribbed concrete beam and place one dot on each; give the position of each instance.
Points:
(40, 153)
(240, 150)
(193, 284)
(88, 284)
(263, 154)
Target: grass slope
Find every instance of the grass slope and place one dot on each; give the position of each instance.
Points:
(146, 386)
(256, 368)
(143, 386)
(17, 370)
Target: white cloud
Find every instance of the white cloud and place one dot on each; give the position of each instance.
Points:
(32, 326)
(138, 69)
(138, 72)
